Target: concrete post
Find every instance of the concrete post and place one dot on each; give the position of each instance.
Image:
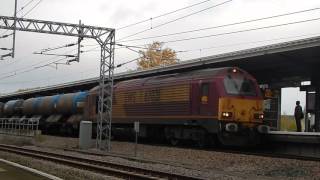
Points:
(85, 135)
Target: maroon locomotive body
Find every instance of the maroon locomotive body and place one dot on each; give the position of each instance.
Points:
(197, 106)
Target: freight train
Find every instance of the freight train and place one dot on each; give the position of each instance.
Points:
(201, 106)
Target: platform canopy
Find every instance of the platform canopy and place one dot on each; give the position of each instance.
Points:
(279, 65)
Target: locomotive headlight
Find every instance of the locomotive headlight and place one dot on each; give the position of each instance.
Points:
(258, 116)
(226, 114)
(234, 70)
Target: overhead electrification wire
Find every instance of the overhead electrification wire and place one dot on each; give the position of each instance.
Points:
(6, 49)
(240, 31)
(32, 69)
(159, 16)
(54, 62)
(5, 36)
(137, 46)
(24, 6)
(22, 17)
(35, 64)
(174, 20)
(47, 78)
(27, 4)
(58, 47)
(127, 62)
(50, 54)
(245, 43)
(224, 25)
(28, 12)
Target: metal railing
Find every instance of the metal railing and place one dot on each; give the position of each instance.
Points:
(19, 126)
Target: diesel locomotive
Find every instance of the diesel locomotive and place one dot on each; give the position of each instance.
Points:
(202, 106)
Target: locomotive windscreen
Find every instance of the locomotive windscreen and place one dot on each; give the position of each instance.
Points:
(239, 86)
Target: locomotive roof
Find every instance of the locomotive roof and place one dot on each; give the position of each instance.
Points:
(212, 72)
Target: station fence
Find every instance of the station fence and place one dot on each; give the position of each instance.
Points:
(19, 126)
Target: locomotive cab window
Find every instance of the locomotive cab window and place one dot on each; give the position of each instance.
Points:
(204, 93)
(239, 86)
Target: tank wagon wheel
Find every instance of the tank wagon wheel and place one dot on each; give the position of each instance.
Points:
(69, 130)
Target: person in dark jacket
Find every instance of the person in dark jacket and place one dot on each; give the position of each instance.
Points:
(298, 115)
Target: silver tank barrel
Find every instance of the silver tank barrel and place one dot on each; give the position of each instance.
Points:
(48, 105)
(1, 109)
(71, 103)
(13, 107)
(41, 105)
(29, 106)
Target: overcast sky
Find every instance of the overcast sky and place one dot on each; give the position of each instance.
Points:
(116, 14)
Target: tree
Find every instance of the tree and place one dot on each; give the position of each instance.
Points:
(156, 56)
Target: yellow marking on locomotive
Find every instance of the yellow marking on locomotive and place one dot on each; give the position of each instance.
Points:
(242, 110)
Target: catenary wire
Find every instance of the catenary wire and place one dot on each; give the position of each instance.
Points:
(235, 32)
(26, 71)
(24, 6)
(250, 29)
(240, 31)
(162, 15)
(28, 12)
(171, 21)
(224, 25)
(35, 64)
(27, 4)
(183, 51)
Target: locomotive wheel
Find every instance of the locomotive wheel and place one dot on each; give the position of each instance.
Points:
(228, 139)
(206, 141)
(174, 141)
(201, 143)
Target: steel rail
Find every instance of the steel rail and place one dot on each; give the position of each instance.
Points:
(113, 169)
(252, 152)
(272, 154)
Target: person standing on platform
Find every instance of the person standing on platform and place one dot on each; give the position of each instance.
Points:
(298, 115)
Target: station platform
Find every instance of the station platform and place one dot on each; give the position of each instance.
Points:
(14, 171)
(306, 144)
(294, 137)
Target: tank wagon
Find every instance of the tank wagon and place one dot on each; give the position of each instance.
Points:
(222, 104)
(57, 113)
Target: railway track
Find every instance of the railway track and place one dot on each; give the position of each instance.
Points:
(253, 152)
(108, 168)
(270, 154)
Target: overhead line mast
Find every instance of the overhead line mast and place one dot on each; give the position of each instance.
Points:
(105, 38)
(14, 30)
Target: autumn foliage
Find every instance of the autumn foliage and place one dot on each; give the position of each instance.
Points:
(156, 56)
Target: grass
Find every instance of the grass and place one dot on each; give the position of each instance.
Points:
(288, 123)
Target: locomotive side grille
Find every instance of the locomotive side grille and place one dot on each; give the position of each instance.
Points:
(156, 101)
